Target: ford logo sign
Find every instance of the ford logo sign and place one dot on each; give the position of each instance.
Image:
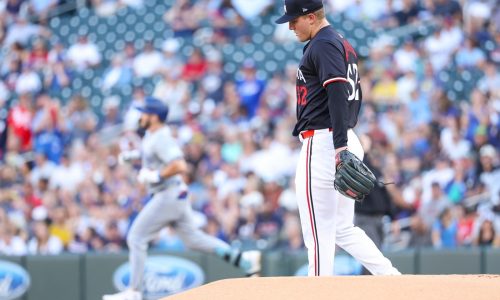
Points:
(14, 280)
(344, 265)
(163, 276)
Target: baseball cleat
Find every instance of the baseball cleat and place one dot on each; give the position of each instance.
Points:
(252, 263)
(125, 295)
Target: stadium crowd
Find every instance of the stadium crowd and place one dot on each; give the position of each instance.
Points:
(62, 187)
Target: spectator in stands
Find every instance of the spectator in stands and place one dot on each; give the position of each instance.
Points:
(132, 114)
(445, 230)
(487, 235)
(41, 8)
(381, 202)
(80, 120)
(118, 75)
(408, 13)
(466, 218)
(11, 242)
(229, 24)
(19, 124)
(250, 88)
(427, 214)
(59, 225)
(251, 9)
(57, 77)
(174, 91)
(28, 81)
(57, 53)
(14, 8)
(406, 57)
(48, 128)
(38, 56)
(68, 175)
(42, 242)
(112, 116)
(470, 55)
(84, 54)
(22, 31)
(43, 169)
(489, 172)
(171, 59)
(148, 62)
(184, 18)
(445, 8)
(195, 66)
(490, 83)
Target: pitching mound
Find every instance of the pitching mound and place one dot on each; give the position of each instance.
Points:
(406, 287)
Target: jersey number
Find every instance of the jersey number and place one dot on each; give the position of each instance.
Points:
(353, 78)
(301, 95)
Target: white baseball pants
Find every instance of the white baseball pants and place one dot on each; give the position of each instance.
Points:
(326, 215)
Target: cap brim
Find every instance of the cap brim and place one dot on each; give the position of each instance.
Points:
(285, 19)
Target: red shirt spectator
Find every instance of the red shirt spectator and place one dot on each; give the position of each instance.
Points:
(19, 121)
(195, 67)
(39, 55)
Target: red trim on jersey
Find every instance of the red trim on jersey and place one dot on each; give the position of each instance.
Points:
(308, 191)
(327, 82)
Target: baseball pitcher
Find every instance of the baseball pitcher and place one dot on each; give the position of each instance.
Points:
(330, 173)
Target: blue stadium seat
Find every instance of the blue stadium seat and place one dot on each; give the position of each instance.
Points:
(238, 56)
(267, 29)
(249, 48)
(268, 47)
(74, 22)
(259, 56)
(55, 22)
(230, 68)
(258, 38)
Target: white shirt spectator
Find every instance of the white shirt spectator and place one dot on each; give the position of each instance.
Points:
(406, 59)
(14, 246)
(406, 85)
(441, 45)
(439, 54)
(454, 145)
(21, 32)
(67, 176)
(250, 9)
(173, 91)
(39, 6)
(147, 63)
(54, 246)
(28, 82)
(84, 54)
(45, 170)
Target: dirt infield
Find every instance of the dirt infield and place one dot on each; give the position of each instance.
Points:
(407, 287)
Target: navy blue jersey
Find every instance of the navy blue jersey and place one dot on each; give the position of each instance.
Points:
(328, 58)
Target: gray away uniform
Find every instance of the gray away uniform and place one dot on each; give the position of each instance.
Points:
(169, 204)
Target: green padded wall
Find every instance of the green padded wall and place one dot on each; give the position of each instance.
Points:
(54, 277)
(404, 261)
(456, 261)
(492, 261)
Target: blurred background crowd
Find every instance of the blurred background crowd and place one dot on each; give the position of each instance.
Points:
(72, 73)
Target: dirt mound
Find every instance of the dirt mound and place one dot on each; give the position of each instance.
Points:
(408, 287)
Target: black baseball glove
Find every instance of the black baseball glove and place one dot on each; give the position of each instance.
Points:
(353, 178)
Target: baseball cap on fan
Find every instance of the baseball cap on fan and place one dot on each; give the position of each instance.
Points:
(297, 8)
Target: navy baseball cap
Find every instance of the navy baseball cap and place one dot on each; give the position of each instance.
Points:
(297, 8)
(154, 106)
